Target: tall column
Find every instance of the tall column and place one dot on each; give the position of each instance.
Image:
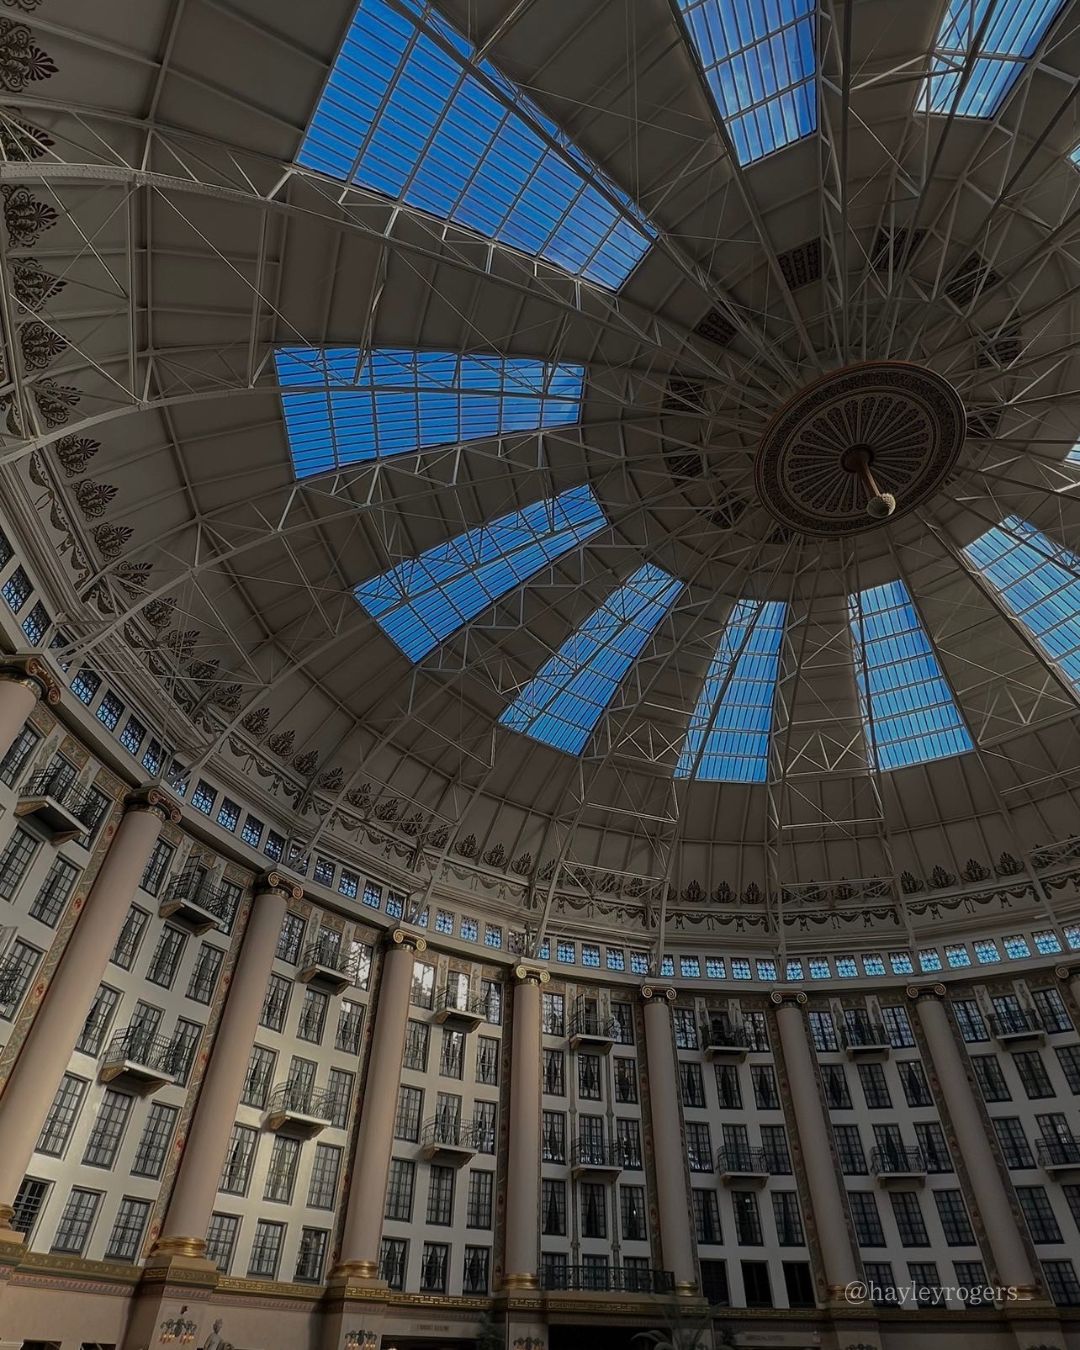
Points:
(523, 1159)
(830, 1209)
(23, 680)
(375, 1138)
(992, 1199)
(673, 1199)
(184, 1230)
(52, 1036)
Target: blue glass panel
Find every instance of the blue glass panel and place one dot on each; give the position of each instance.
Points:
(759, 62)
(1039, 581)
(563, 703)
(422, 601)
(345, 406)
(903, 694)
(409, 112)
(1015, 29)
(734, 721)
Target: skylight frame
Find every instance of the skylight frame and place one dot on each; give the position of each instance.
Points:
(723, 744)
(1031, 576)
(908, 707)
(599, 234)
(328, 392)
(761, 115)
(1017, 26)
(563, 703)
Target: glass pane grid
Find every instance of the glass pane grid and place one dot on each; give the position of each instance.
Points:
(730, 726)
(407, 111)
(902, 692)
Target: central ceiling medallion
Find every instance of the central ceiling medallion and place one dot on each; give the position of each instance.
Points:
(859, 445)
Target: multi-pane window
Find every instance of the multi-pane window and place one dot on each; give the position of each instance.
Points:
(349, 1026)
(239, 1159)
(127, 944)
(423, 985)
(204, 976)
(953, 1214)
(706, 1216)
(747, 1218)
(932, 1145)
(51, 900)
(622, 1023)
(788, 1219)
(553, 1207)
(626, 1082)
(311, 1255)
(393, 1260)
(127, 1230)
(290, 939)
(1041, 1221)
(823, 1031)
(865, 1217)
(774, 1146)
(410, 1104)
(880, 1279)
(399, 1189)
(476, 1276)
(553, 1015)
(21, 748)
(312, 1019)
(416, 1046)
(1069, 1059)
(325, 1169)
(484, 1125)
(699, 1146)
(85, 685)
(166, 958)
(266, 1249)
(108, 1129)
(1015, 1149)
(970, 1020)
(132, 735)
(276, 1002)
(990, 1079)
(628, 1142)
(154, 1144)
(691, 1084)
(339, 1091)
(478, 1210)
(1061, 1283)
(555, 1073)
(1033, 1075)
(434, 1267)
(849, 1150)
(1051, 1009)
(109, 710)
(18, 968)
(157, 867)
(487, 1061)
(632, 1214)
(553, 1136)
(62, 1115)
(592, 1197)
(913, 1081)
(763, 1081)
(17, 855)
(757, 1031)
(452, 1054)
(185, 1043)
(281, 1174)
(686, 1032)
(925, 1282)
(35, 624)
(727, 1086)
(16, 590)
(909, 1219)
(440, 1201)
(221, 1240)
(76, 1222)
(875, 1088)
(28, 1204)
(260, 1073)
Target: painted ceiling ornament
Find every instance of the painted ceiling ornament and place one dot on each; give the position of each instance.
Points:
(22, 61)
(256, 722)
(93, 497)
(110, 539)
(181, 641)
(40, 344)
(133, 576)
(27, 6)
(22, 142)
(282, 742)
(306, 763)
(75, 453)
(55, 401)
(26, 216)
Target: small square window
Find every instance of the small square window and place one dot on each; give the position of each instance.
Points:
(203, 798)
(469, 930)
(324, 872)
(639, 963)
(1047, 942)
(395, 905)
(566, 952)
(766, 970)
(251, 834)
(109, 710)
(819, 968)
(1016, 947)
(740, 968)
(957, 956)
(372, 896)
(667, 966)
(846, 967)
(228, 816)
(16, 590)
(929, 960)
(689, 967)
(986, 952)
(873, 965)
(615, 958)
(36, 624)
(85, 685)
(493, 937)
(715, 968)
(444, 922)
(349, 884)
(274, 846)
(901, 963)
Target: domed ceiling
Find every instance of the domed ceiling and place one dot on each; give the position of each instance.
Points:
(627, 444)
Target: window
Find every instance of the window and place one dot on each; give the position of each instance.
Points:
(864, 1215)
(399, 1190)
(127, 944)
(553, 1207)
(990, 1079)
(266, 1249)
(935, 1151)
(228, 817)
(699, 1146)
(686, 1035)
(1015, 1149)
(62, 1115)
(906, 703)
(1039, 1213)
(29, 1202)
(205, 973)
(1012, 33)
(339, 1091)
(691, 1084)
(774, 1146)
(281, 1174)
(628, 1144)
(109, 710)
(924, 1277)
(553, 1136)
(311, 1255)
(706, 1216)
(221, 1240)
(1069, 1059)
(19, 752)
(16, 857)
(553, 1014)
(487, 1061)
(954, 1218)
(251, 834)
(875, 1088)
(757, 1289)
(1033, 1076)
(16, 590)
(593, 1199)
(478, 1213)
(325, 1169)
(1051, 1011)
(1061, 1283)
(626, 1084)
(897, 1028)
(290, 939)
(971, 1276)
(393, 1259)
(452, 1054)
(484, 1125)
(763, 1080)
(36, 624)
(850, 1150)
(423, 985)
(52, 898)
(108, 1130)
(563, 703)
(312, 1016)
(276, 1003)
(85, 685)
(714, 1284)
(589, 1077)
(799, 1285)
(185, 1043)
(823, 1031)
(166, 958)
(434, 1266)
(203, 798)
(879, 1276)
(410, 1105)
(477, 1273)
(17, 968)
(274, 846)
(132, 735)
(632, 1213)
(727, 1086)
(239, 1157)
(728, 736)
(789, 1228)
(416, 1046)
(154, 1144)
(747, 1218)
(909, 1219)
(913, 1081)
(76, 1222)
(260, 1072)
(554, 1073)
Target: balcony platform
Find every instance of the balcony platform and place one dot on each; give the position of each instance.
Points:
(459, 1011)
(325, 968)
(297, 1112)
(451, 1143)
(898, 1169)
(145, 1062)
(1059, 1158)
(596, 1034)
(866, 1042)
(724, 1041)
(62, 810)
(1020, 1032)
(194, 903)
(745, 1169)
(604, 1162)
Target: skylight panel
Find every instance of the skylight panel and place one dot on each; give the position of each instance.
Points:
(759, 63)
(903, 694)
(562, 704)
(408, 111)
(344, 406)
(1015, 29)
(421, 601)
(1037, 581)
(730, 726)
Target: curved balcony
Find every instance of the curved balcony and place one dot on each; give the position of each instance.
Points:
(587, 1157)
(192, 899)
(450, 1140)
(724, 1038)
(589, 1031)
(295, 1108)
(1059, 1157)
(864, 1039)
(606, 1280)
(141, 1057)
(460, 1009)
(742, 1167)
(898, 1165)
(1017, 1029)
(326, 965)
(62, 808)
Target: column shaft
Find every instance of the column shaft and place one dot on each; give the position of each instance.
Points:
(523, 1161)
(51, 1039)
(991, 1197)
(676, 1214)
(830, 1213)
(192, 1203)
(375, 1139)
(23, 680)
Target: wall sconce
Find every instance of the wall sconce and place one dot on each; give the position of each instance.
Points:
(179, 1329)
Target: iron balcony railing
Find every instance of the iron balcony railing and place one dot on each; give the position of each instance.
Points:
(331, 956)
(1015, 1022)
(454, 1000)
(594, 1153)
(301, 1099)
(67, 792)
(196, 889)
(11, 978)
(1060, 1151)
(863, 1034)
(751, 1160)
(608, 1279)
(896, 1159)
(587, 1022)
(135, 1045)
(449, 1132)
(725, 1033)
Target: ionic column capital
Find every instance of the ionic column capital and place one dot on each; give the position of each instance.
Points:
(531, 975)
(919, 993)
(1067, 972)
(155, 801)
(653, 993)
(277, 883)
(33, 674)
(398, 938)
(788, 998)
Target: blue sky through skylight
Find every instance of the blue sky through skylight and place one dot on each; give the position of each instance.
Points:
(1015, 29)
(1038, 581)
(902, 690)
(562, 704)
(404, 115)
(357, 407)
(736, 739)
(421, 601)
(759, 61)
